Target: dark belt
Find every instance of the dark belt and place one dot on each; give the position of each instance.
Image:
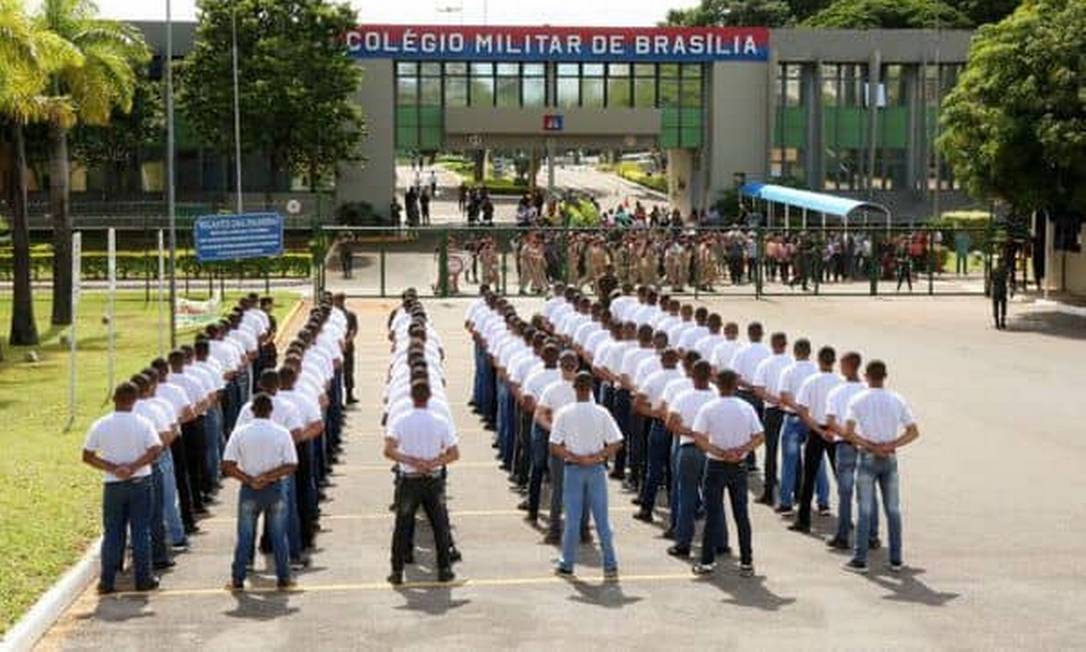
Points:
(687, 444)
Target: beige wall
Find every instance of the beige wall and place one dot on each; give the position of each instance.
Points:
(374, 179)
(738, 127)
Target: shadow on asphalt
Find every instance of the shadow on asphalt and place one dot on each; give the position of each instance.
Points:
(433, 601)
(609, 594)
(905, 587)
(120, 609)
(747, 591)
(261, 606)
(1051, 323)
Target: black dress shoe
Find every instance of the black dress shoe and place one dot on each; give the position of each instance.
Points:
(800, 527)
(643, 516)
(679, 551)
(838, 543)
(454, 555)
(163, 565)
(409, 558)
(395, 578)
(668, 534)
(446, 575)
(148, 586)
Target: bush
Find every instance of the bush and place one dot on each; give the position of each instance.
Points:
(136, 265)
(634, 172)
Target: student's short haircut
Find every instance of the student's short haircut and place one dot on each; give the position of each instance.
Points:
(731, 327)
(420, 390)
(669, 354)
(203, 347)
(140, 381)
(778, 339)
(569, 356)
(126, 392)
(754, 327)
(715, 319)
(287, 376)
(876, 369)
(176, 356)
(727, 380)
(262, 405)
(660, 336)
(826, 355)
(701, 313)
(702, 370)
(803, 346)
(583, 380)
(269, 379)
(644, 332)
(852, 357)
(691, 357)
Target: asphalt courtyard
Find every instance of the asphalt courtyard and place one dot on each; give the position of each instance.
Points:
(991, 493)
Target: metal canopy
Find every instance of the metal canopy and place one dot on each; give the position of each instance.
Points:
(807, 200)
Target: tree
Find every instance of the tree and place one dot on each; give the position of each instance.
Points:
(30, 56)
(104, 80)
(1014, 127)
(889, 14)
(981, 12)
(117, 146)
(736, 13)
(295, 83)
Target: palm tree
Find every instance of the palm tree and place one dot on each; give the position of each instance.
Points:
(30, 55)
(112, 53)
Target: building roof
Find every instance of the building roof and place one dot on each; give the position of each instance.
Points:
(818, 202)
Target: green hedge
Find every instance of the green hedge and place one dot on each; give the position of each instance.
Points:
(132, 265)
(634, 172)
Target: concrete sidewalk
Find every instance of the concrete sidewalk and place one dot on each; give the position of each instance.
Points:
(994, 533)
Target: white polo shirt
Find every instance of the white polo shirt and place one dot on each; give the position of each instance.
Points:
(687, 404)
(536, 383)
(706, 345)
(655, 383)
(307, 406)
(420, 433)
(558, 395)
(260, 446)
(722, 355)
(283, 414)
(746, 360)
(768, 374)
(879, 414)
(153, 411)
(813, 393)
(691, 336)
(727, 422)
(175, 396)
(404, 406)
(632, 359)
(793, 376)
(584, 428)
(838, 398)
(122, 438)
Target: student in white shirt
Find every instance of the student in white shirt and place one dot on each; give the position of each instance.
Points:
(556, 396)
(161, 419)
(123, 445)
(745, 362)
(649, 403)
(534, 386)
(765, 386)
(878, 422)
(690, 463)
(811, 401)
(260, 454)
(727, 429)
(847, 456)
(585, 436)
(421, 443)
(794, 432)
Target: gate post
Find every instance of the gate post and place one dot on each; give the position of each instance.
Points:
(443, 264)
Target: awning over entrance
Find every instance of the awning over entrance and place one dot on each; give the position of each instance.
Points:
(816, 202)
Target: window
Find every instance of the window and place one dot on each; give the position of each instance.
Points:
(534, 84)
(456, 91)
(845, 125)
(644, 85)
(508, 94)
(407, 91)
(482, 91)
(592, 85)
(569, 88)
(786, 156)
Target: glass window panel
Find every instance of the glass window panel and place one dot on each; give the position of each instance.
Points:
(645, 92)
(691, 92)
(456, 68)
(618, 91)
(431, 69)
(669, 92)
(534, 91)
(508, 69)
(430, 94)
(482, 91)
(482, 69)
(618, 70)
(456, 91)
(534, 69)
(669, 70)
(645, 69)
(407, 68)
(508, 91)
(691, 70)
(592, 70)
(592, 92)
(407, 90)
(568, 91)
(568, 69)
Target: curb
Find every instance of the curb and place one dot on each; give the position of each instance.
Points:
(41, 617)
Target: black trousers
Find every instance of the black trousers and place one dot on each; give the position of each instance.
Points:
(999, 309)
(181, 477)
(348, 370)
(523, 456)
(773, 418)
(756, 403)
(304, 489)
(192, 433)
(812, 461)
(428, 492)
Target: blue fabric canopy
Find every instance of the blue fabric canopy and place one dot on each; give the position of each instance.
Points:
(812, 201)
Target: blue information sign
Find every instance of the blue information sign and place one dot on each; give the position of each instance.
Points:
(235, 237)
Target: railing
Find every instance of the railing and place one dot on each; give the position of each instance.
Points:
(836, 261)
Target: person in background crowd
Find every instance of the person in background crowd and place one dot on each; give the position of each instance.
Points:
(123, 445)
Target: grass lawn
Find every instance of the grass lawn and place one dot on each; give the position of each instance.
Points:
(49, 500)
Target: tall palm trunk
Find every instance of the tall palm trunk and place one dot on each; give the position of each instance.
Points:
(59, 178)
(24, 330)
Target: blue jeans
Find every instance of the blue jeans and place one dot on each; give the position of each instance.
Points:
(659, 453)
(847, 459)
(719, 475)
(883, 471)
(213, 429)
(270, 501)
(158, 524)
(673, 488)
(540, 452)
(171, 512)
(793, 435)
(126, 505)
(294, 521)
(586, 486)
(691, 468)
(507, 432)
